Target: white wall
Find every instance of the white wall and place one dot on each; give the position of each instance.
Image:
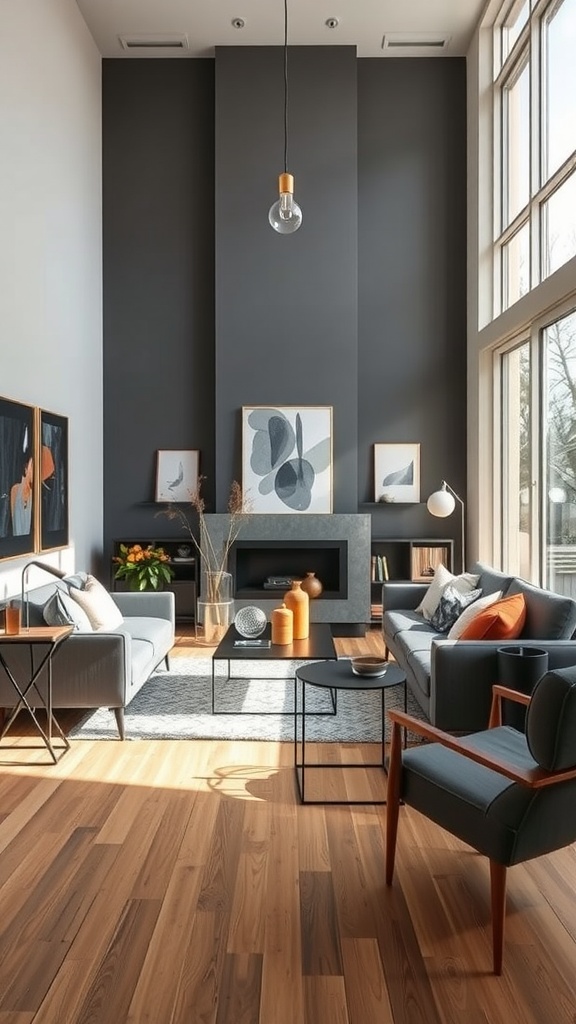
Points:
(50, 246)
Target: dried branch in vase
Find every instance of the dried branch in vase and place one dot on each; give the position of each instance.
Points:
(214, 563)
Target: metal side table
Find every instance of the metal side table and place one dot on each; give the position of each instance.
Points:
(338, 675)
(47, 639)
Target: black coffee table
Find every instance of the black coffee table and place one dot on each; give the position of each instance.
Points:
(318, 645)
(339, 676)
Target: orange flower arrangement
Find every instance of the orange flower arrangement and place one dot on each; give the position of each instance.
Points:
(143, 568)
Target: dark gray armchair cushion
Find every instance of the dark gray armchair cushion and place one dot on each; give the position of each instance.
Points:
(551, 720)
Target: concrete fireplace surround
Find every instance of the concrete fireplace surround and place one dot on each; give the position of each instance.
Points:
(350, 610)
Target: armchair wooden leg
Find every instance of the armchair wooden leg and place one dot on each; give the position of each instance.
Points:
(498, 898)
(393, 799)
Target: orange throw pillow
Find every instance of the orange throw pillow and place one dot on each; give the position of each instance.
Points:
(503, 620)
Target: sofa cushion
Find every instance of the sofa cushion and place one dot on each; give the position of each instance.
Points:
(157, 633)
(491, 580)
(395, 622)
(502, 620)
(62, 610)
(100, 608)
(548, 616)
(452, 604)
(419, 663)
(471, 612)
(442, 577)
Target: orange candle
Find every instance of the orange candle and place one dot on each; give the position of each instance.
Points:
(282, 621)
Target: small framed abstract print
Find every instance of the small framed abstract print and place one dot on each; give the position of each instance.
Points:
(397, 473)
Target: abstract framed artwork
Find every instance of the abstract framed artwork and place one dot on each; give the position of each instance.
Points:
(397, 473)
(287, 458)
(176, 474)
(53, 480)
(18, 511)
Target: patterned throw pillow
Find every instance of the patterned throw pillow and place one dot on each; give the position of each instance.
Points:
(452, 604)
(464, 583)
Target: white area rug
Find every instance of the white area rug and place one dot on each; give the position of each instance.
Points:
(177, 705)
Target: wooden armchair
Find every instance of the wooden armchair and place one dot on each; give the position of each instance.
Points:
(510, 795)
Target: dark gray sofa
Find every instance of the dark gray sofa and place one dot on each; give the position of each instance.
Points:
(100, 669)
(452, 679)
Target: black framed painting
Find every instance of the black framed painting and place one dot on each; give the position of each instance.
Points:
(18, 516)
(53, 480)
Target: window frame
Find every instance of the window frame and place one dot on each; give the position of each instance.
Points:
(528, 47)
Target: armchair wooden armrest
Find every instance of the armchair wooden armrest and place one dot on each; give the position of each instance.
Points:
(500, 693)
(535, 778)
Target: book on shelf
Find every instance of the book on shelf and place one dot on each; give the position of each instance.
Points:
(379, 569)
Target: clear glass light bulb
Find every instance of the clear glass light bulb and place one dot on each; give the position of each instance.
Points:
(285, 216)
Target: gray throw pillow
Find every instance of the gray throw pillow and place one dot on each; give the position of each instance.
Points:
(61, 610)
(452, 604)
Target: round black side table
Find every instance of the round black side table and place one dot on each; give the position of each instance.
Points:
(334, 676)
(520, 668)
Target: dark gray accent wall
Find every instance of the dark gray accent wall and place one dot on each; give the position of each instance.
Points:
(286, 306)
(412, 278)
(158, 172)
(206, 309)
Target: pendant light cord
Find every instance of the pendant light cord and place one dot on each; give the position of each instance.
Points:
(285, 86)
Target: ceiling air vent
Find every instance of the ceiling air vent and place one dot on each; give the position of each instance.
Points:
(162, 42)
(414, 41)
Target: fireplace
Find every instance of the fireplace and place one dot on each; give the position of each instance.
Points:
(253, 563)
(336, 547)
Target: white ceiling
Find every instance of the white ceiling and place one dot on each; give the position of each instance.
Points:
(201, 25)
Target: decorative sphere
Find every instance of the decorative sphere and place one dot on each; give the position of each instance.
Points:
(250, 622)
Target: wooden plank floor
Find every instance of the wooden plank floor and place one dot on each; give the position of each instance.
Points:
(181, 882)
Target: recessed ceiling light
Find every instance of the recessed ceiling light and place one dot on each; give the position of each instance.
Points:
(332, 23)
(238, 22)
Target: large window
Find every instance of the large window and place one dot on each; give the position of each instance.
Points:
(535, 101)
(538, 455)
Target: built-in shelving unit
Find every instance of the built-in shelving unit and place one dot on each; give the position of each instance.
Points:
(184, 563)
(412, 559)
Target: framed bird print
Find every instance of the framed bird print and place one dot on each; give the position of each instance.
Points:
(176, 474)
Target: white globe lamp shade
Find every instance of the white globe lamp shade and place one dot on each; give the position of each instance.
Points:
(441, 504)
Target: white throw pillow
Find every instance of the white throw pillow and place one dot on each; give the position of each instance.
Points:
(100, 608)
(442, 577)
(470, 613)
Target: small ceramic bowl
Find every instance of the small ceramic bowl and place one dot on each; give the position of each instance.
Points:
(368, 666)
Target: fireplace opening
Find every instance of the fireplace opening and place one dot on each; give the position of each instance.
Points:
(254, 564)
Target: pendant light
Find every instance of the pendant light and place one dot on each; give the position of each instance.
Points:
(285, 215)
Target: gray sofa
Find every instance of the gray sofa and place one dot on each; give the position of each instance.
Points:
(452, 679)
(100, 669)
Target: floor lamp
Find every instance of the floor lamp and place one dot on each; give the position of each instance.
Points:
(24, 598)
(442, 503)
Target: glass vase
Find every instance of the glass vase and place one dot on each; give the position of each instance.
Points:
(215, 606)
